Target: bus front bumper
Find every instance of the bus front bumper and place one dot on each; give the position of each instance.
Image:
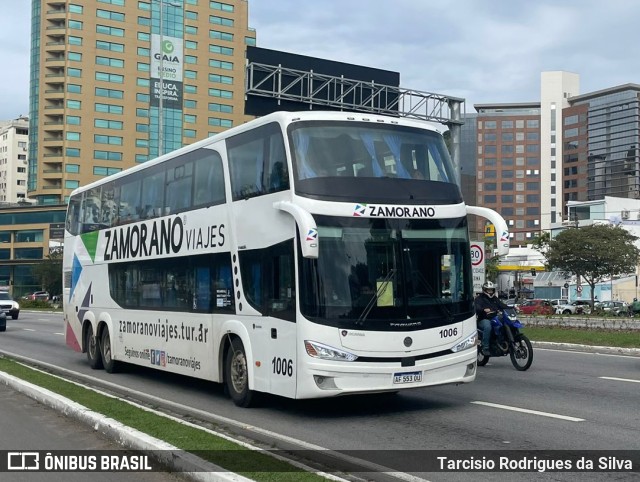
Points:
(322, 378)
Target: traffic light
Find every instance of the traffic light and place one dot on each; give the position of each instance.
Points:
(533, 271)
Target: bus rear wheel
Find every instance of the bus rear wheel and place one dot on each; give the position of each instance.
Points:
(110, 365)
(93, 349)
(236, 375)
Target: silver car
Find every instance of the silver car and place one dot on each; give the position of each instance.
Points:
(618, 308)
(573, 308)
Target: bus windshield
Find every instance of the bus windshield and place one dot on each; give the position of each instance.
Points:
(388, 272)
(364, 149)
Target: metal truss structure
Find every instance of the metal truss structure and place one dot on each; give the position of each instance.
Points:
(315, 89)
(282, 83)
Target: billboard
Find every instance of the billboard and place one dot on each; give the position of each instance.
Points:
(167, 58)
(258, 106)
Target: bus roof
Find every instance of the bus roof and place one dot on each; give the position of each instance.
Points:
(283, 117)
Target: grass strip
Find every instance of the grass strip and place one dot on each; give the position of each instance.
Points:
(189, 439)
(585, 336)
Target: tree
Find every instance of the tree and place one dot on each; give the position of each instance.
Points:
(492, 262)
(49, 272)
(594, 252)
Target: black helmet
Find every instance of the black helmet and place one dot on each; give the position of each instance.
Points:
(489, 288)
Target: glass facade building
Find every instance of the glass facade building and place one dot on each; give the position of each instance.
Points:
(118, 82)
(27, 234)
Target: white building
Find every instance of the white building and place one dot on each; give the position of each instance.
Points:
(14, 136)
(556, 88)
(623, 212)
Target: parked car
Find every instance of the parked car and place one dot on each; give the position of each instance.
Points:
(8, 306)
(586, 305)
(573, 308)
(38, 295)
(558, 302)
(536, 307)
(618, 308)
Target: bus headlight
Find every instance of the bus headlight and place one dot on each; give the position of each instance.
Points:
(318, 350)
(470, 342)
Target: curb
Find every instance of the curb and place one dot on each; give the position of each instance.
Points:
(128, 437)
(605, 350)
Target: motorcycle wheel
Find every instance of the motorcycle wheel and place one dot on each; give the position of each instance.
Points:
(482, 359)
(521, 353)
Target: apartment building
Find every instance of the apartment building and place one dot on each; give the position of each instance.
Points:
(14, 138)
(519, 157)
(118, 82)
(508, 165)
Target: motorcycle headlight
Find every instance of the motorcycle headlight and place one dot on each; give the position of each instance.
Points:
(318, 350)
(467, 343)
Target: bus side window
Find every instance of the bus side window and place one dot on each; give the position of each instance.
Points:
(280, 282)
(152, 195)
(277, 172)
(202, 292)
(179, 187)
(268, 279)
(245, 164)
(129, 200)
(73, 216)
(253, 158)
(208, 179)
(150, 288)
(223, 284)
(91, 211)
(109, 211)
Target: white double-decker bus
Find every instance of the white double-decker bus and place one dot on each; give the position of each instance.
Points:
(306, 255)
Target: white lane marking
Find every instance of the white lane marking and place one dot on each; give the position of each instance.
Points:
(621, 379)
(61, 334)
(28, 329)
(532, 412)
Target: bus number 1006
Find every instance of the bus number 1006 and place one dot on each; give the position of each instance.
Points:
(448, 332)
(282, 366)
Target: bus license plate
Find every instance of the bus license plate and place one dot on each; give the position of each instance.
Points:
(408, 377)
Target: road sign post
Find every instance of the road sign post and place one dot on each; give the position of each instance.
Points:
(477, 265)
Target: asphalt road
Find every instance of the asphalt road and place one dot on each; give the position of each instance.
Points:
(566, 401)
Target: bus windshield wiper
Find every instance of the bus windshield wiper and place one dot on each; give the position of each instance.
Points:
(374, 298)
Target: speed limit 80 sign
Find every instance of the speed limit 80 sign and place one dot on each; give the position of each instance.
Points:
(477, 265)
(477, 254)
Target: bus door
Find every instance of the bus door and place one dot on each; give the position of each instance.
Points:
(269, 283)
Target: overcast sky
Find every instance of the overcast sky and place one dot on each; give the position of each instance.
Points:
(484, 51)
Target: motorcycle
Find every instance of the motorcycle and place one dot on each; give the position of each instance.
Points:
(506, 339)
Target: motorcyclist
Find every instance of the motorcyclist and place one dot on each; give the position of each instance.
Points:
(487, 304)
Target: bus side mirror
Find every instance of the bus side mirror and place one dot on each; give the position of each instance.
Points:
(306, 226)
(501, 229)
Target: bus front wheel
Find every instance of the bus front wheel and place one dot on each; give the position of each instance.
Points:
(93, 349)
(236, 375)
(110, 365)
